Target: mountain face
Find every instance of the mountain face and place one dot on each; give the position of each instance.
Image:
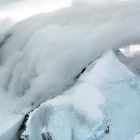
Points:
(63, 75)
(103, 104)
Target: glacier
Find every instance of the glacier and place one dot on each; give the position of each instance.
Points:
(56, 68)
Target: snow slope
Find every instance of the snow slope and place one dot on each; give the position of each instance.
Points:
(103, 104)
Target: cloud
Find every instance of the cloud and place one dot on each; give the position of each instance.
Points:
(101, 1)
(9, 1)
(5, 24)
(21, 9)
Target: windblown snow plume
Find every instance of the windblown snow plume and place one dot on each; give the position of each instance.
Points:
(72, 74)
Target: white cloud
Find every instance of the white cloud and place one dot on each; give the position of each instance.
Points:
(18, 10)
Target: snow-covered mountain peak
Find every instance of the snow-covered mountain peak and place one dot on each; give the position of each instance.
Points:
(89, 110)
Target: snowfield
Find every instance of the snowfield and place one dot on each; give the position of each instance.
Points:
(73, 73)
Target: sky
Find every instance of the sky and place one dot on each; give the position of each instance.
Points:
(13, 11)
(17, 10)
